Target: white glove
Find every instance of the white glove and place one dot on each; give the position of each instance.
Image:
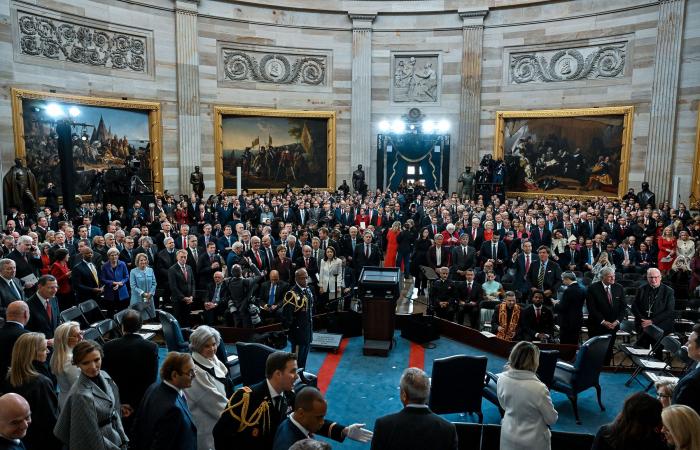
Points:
(357, 433)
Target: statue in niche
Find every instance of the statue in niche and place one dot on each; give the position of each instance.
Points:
(646, 197)
(358, 180)
(20, 188)
(197, 182)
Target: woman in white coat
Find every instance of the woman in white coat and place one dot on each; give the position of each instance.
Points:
(330, 286)
(526, 401)
(207, 396)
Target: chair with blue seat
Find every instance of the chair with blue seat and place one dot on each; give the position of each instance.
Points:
(174, 338)
(584, 373)
(457, 383)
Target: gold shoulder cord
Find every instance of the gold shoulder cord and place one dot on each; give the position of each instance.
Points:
(292, 298)
(261, 413)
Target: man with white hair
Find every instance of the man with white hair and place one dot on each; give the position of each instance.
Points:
(26, 257)
(654, 304)
(605, 300)
(415, 427)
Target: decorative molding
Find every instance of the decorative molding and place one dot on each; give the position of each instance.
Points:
(416, 77)
(275, 65)
(48, 38)
(568, 64)
(361, 22)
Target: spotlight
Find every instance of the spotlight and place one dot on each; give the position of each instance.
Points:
(384, 126)
(54, 110)
(443, 126)
(412, 127)
(398, 126)
(73, 111)
(428, 126)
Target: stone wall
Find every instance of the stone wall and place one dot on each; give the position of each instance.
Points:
(314, 27)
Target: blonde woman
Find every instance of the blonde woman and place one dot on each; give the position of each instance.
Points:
(25, 379)
(143, 284)
(602, 262)
(681, 427)
(685, 246)
(667, 250)
(392, 244)
(66, 336)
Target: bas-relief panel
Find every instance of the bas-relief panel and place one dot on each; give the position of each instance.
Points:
(416, 77)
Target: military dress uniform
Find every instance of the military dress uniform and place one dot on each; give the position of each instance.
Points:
(298, 321)
(251, 419)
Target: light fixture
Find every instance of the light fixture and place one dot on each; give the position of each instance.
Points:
(398, 126)
(54, 110)
(384, 126)
(443, 126)
(428, 126)
(74, 111)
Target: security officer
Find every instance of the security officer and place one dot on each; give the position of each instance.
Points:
(297, 316)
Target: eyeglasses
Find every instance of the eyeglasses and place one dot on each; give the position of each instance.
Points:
(660, 396)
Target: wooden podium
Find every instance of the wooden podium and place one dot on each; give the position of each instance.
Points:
(379, 290)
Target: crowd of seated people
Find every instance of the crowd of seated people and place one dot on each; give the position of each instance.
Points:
(502, 264)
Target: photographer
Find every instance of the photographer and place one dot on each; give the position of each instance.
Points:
(51, 196)
(241, 290)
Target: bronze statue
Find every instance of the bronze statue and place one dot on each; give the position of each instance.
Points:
(467, 180)
(20, 188)
(646, 197)
(197, 182)
(358, 180)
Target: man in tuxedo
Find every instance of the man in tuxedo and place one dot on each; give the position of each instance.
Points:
(163, 419)
(494, 250)
(570, 309)
(43, 308)
(536, 321)
(85, 279)
(271, 296)
(15, 418)
(367, 254)
(545, 275)
(438, 255)
(654, 304)
(687, 391)
(415, 427)
(10, 286)
(16, 317)
(122, 356)
(239, 428)
(181, 282)
(605, 300)
(463, 257)
(469, 295)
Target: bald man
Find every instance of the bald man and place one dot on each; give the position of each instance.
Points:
(16, 317)
(15, 418)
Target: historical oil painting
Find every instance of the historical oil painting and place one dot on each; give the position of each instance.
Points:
(573, 152)
(415, 78)
(275, 148)
(112, 140)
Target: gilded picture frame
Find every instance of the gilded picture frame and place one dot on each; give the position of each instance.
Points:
(695, 180)
(301, 151)
(109, 106)
(581, 153)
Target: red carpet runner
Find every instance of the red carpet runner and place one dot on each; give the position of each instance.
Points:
(330, 363)
(416, 356)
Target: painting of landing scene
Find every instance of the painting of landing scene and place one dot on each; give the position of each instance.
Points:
(565, 153)
(111, 141)
(275, 148)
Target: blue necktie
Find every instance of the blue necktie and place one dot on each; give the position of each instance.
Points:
(271, 298)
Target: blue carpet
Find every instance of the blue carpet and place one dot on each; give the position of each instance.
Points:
(366, 387)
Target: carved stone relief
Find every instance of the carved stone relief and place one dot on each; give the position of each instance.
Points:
(415, 78)
(60, 40)
(277, 67)
(598, 61)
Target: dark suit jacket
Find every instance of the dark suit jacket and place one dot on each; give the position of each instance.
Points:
(312, 269)
(38, 318)
(179, 287)
(461, 262)
(600, 309)
(530, 327)
(444, 257)
(163, 421)
(360, 260)
(25, 267)
(205, 273)
(570, 308)
(662, 310)
(9, 333)
(552, 275)
(7, 296)
(164, 261)
(546, 238)
(487, 250)
(10, 445)
(282, 288)
(83, 282)
(414, 429)
(687, 391)
(565, 259)
(122, 356)
(521, 278)
(287, 434)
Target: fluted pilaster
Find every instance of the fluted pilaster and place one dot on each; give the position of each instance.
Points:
(360, 121)
(470, 104)
(664, 93)
(189, 127)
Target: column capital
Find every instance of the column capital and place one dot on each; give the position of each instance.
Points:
(362, 21)
(186, 6)
(472, 17)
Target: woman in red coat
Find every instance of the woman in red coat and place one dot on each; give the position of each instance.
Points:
(61, 271)
(362, 218)
(667, 250)
(45, 258)
(392, 244)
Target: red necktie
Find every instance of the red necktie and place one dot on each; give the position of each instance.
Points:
(607, 289)
(537, 314)
(184, 242)
(474, 234)
(257, 257)
(48, 310)
(184, 272)
(527, 263)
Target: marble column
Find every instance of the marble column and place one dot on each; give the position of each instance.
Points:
(360, 119)
(467, 151)
(664, 94)
(189, 128)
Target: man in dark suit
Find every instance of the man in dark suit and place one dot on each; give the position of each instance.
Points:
(438, 254)
(163, 420)
(349, 243)
(476, 234)
(257, 256)
(625, 257)
(43, 307)
(84, 278)
(308, 262)
(308, 417)
(181, 281)
(217, 299)
(276, 395)
(545, 275)
(570, 309)
(127, 254)
(605, 300)
(654, 304)
(469, 295)
(463, 257)
(536, 321)
(27, 261)
(687, 392)
(522, 263)
(271, 296)
(10, 285)
(16, 317)
(122, 356)
(443, 297)
(570, 257)
(367, 254)
(415, 427)
(15, 418)
(209, 262)
(496, 251)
